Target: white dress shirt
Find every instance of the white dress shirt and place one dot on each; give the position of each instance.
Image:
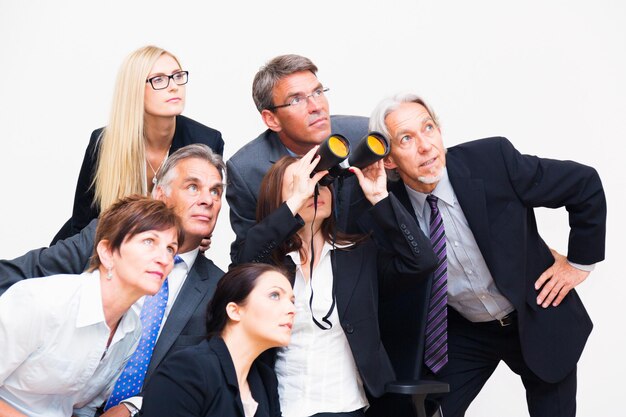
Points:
(316, 372)
(54, 359)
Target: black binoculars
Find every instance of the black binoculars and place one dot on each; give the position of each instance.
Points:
(336, 156)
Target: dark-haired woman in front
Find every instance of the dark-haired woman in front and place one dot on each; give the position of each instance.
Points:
(252, 310)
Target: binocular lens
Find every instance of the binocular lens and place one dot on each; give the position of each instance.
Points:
(338, 146)
(377, 145)
(334, 151)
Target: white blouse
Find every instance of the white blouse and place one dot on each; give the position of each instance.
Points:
(53, 337)
(316, 372)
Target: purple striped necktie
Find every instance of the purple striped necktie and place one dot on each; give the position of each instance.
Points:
(436, 345)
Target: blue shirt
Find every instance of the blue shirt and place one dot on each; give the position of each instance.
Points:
(471, 288)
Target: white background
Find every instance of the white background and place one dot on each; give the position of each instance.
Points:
(549, 75)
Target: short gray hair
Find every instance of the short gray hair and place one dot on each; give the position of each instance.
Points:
(388, 106)
(197, 150)
(272, 72)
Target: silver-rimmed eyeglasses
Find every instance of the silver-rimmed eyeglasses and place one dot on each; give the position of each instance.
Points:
(298, 101)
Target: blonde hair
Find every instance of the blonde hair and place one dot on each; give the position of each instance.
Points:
(121, 166)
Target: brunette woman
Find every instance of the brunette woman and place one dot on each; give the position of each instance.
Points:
(335, 356)
(251, 311)
(64, 339)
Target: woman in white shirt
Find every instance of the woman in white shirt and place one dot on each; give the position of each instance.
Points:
(64, 339)
(335, 355)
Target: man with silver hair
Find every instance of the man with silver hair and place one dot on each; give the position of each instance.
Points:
(499, 293)
(191, 182)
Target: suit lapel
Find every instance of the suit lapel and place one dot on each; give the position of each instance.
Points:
(220, 349)
(398, 189)
(276, 148)
(471, 195)
(197, 284)
(349, 263)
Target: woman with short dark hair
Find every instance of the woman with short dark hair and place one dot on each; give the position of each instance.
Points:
(65, 339)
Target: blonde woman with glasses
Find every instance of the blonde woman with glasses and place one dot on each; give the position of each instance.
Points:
(145, 126)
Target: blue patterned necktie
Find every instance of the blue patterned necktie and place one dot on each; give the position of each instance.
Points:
(436, 345)
(131, 380)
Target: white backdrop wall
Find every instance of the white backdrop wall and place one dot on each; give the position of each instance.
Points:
(549, 75)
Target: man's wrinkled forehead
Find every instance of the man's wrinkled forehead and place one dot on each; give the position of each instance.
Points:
(196, 168)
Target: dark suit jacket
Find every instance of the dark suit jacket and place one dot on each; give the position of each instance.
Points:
(187, 131)
(248, 166)
(357, 271)
(201, 382)
(497, 188)
(185, 325)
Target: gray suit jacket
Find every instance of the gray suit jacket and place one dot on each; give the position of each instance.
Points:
(185, 325)
(247, 167)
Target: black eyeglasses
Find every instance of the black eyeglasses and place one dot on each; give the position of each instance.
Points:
(161, 82)
(300, 100)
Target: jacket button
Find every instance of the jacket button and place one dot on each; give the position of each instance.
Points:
(349, 328)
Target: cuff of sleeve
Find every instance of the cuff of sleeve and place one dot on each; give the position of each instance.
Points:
(587, 268)
(133, 404)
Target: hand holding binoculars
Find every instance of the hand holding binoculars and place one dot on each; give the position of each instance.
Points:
(336, 155)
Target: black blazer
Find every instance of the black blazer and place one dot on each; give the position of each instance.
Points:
(201, 382)
(187, 131)
(357, 271)
(186, 323)
(497, 188)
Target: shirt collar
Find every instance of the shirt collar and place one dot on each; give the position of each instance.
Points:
(295, 255)
(443, 191)
(90, 310)
(189, 257)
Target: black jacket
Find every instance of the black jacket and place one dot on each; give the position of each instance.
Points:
(357, 272)
(187, 131)
(200, 381)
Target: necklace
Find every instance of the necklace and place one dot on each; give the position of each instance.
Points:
(154, 172)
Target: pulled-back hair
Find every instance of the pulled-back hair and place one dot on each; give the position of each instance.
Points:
(234, 287)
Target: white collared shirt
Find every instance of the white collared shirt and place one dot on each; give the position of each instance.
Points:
(316, 372)
(53, 338)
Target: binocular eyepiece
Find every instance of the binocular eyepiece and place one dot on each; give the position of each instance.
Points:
(336, 156)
